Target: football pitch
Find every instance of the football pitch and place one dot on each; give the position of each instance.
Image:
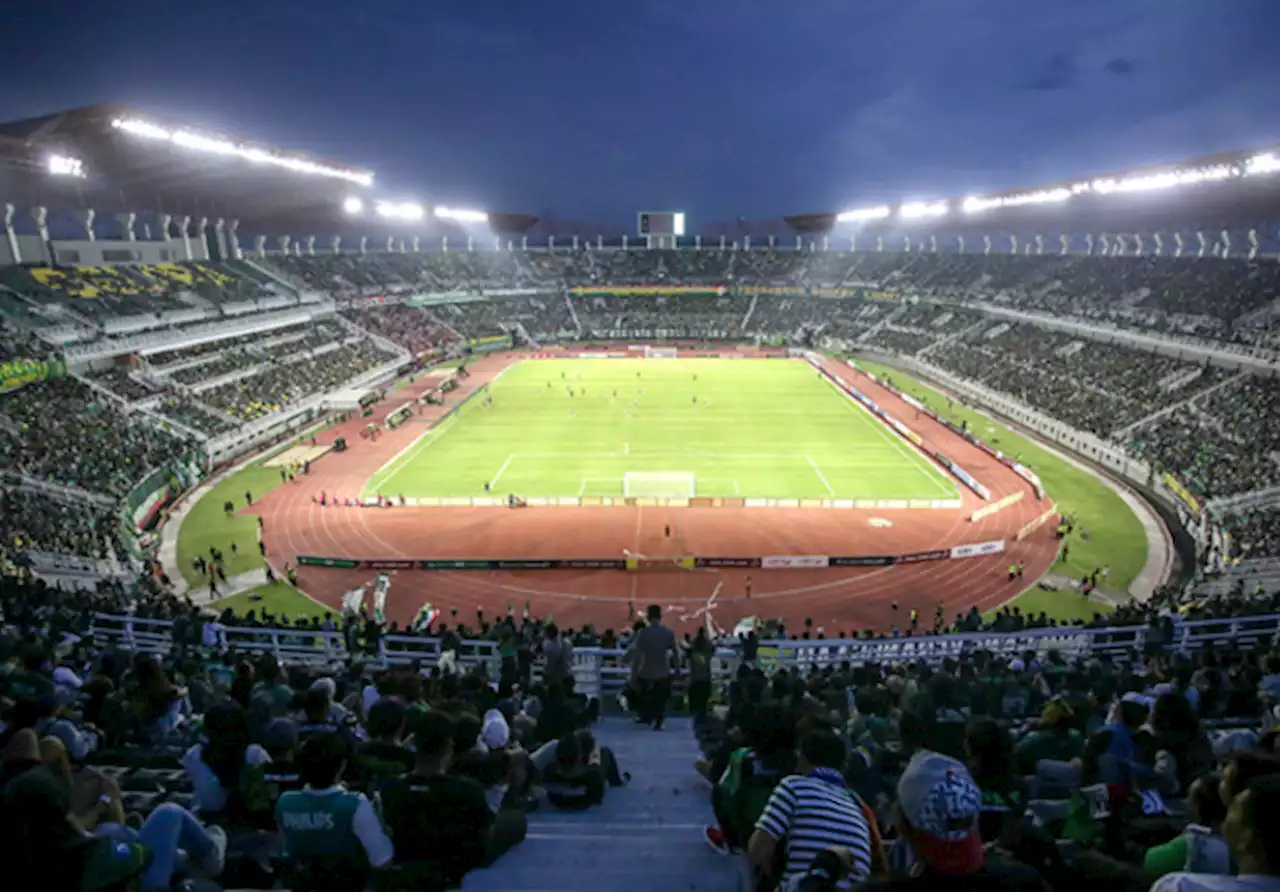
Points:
(730, 428)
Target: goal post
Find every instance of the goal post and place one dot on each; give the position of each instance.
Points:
(661, 352)
(658, 484)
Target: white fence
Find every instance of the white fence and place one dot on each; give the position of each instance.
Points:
(603, 672)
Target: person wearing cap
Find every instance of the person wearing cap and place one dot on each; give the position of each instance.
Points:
(1053, 738)
(812, 811)
(1252, 831)
(937, 818)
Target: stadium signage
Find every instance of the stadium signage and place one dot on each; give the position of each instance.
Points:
(795, 562)
(392, 565)
(938, 554)
(860, 561)
(18, 373)
(744, 563)
(653, 290)
(979, 550)
(307, 560)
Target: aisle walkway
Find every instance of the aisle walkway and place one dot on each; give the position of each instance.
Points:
(645, 838)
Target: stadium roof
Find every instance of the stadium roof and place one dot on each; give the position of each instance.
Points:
(135, 161)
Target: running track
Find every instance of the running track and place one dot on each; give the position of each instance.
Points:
(836, 599)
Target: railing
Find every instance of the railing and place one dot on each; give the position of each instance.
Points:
(603, 672)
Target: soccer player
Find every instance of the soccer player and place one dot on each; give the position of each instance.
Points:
(666, 531)
(747, 588)
(695, 400)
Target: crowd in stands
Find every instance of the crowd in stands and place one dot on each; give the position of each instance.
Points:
(121, 381)
(283, 383)
(61, 431)
(18, 344)
(188, 412)
(410, 327)
(32, 520)
(1159, 770)
(1255, 531)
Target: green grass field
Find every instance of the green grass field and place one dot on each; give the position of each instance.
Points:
(743, 428)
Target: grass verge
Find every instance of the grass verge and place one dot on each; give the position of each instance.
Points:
(1107, 532)
(277, 598)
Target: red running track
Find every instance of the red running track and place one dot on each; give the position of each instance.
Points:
(836, 599)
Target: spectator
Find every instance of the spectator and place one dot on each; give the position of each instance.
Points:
(411, 805)
(655, 650)
(812, 811)
(330, 836)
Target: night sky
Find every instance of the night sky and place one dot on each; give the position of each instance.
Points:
(592, 109)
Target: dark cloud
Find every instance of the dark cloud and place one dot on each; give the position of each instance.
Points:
(1059, 72)
(1121, 67)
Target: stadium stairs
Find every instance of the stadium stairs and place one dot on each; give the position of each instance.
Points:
(646, 836)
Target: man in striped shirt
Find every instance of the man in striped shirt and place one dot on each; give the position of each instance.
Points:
(812, 811)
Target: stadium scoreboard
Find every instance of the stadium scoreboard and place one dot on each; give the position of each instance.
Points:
(660, 223)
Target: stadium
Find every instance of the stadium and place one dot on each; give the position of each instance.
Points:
(239, 381)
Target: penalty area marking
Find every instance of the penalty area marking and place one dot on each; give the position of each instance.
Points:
(821, 476)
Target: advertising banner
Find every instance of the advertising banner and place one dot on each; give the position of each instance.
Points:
(522, 565)
(937, 554)
(392, 565)
(20, 372)
(744, 563)
(590, 564)
(310, 560)
(982, 548)
(1035, 524)
(463, 564)
(794, 562)
(859, 561)
(1184, 495)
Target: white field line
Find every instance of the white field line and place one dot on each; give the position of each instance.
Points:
(428, 437)
(432, 435)
(502, 470)
(914, 459)
(821, 476)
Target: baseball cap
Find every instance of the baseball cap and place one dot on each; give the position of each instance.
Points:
(941, 803)
(495, 732)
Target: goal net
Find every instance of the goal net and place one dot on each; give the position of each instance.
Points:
(661, 352)
(658, 484)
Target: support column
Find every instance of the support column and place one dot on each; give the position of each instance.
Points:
(1065, 244)
(220, 237)
(15, 253)
(41, 216)
(184, 223)
(364, 244)
(311, 245)
(126, 225)
(1177, 244)
(986, 244)
(1253, 244)
(86, 219)
(260, 245)
(233, 238)
(335, 243)
(202, 229)
(1159, 244)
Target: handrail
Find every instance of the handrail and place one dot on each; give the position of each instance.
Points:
(602, 671)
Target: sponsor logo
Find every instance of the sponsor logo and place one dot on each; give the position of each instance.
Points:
(982, 548)
(794, 562)
(391, 565)
(856, 561)
(727, 562)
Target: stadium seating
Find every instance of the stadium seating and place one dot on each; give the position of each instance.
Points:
(65, 433)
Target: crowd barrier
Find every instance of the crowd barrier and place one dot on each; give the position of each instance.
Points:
(603, 672)
(899, 428)
(690, 562)
(1017, 467)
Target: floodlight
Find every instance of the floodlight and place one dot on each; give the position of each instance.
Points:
(462, 216)
(919, 210)
(395, 211)
(65, 166)
(215, 145)
(1260, 164)
(353, 205)
(861, 215)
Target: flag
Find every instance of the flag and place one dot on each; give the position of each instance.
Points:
(381, 586)
(352, 601)
(427, 615)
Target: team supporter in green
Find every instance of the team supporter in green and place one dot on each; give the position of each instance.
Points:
(331, 837)
(1053, 738)
(442, 825)
(384, 756)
